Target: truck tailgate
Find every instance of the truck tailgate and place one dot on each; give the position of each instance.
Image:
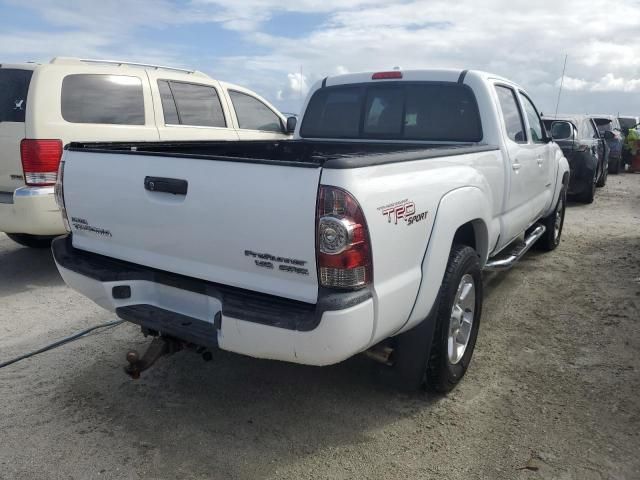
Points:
(244, 224)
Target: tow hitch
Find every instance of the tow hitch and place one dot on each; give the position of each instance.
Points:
(159, 347)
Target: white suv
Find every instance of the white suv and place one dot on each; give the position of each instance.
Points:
(43, 107)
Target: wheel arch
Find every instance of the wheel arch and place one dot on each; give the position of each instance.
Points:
(463, 215)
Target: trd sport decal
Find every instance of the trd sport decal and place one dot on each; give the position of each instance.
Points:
(404, 210)
(285, 264)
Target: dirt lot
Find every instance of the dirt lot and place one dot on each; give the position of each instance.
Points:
(553, 384)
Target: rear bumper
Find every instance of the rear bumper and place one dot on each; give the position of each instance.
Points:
(30, 210)
(264, 326)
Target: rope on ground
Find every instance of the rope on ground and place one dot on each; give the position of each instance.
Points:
(60, 342)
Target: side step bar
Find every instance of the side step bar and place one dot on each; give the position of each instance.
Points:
(510, 260)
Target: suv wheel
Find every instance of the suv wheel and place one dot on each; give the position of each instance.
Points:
(590, 193)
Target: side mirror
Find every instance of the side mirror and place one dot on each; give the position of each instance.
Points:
(291, 124)
(608, 135)
(561, 130)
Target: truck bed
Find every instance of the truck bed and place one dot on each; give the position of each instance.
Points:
(301, 153)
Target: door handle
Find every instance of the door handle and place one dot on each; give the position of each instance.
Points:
(516, 166)
(540, 161)
(166, 185)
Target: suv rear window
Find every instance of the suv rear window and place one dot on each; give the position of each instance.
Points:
(105, 99)
(14, 86)
(428, 111)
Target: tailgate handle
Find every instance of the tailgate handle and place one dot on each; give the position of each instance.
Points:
(167, 185)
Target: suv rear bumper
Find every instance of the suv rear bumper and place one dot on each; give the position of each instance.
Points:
(30, 210)
(338, 326)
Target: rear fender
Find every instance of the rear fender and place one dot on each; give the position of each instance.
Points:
(562, 178)
(456, 208)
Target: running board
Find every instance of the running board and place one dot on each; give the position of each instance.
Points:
(516, 254)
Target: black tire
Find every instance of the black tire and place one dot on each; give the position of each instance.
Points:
(589, 195)
(602, 181)
(549, 241)
(420, 357)
(614, 166)
(31, 241)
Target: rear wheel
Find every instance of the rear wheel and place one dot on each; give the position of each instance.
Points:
(436, 353)
(32, 241)
(614, 165)
(590, 193)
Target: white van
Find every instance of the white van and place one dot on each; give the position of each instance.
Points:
(45, 106)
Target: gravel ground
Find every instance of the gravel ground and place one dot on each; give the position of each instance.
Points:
(552, 391)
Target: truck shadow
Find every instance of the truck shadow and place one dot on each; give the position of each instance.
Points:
(238, 416)
(23, 269)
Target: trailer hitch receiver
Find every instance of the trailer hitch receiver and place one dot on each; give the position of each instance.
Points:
(159, 347)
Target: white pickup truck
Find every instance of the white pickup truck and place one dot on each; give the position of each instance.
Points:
(368, 231)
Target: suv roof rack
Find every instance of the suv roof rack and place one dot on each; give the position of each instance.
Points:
(73, 60)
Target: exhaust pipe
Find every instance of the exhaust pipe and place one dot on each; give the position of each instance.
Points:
(381, 354)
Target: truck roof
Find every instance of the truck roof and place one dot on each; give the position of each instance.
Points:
(416, 75)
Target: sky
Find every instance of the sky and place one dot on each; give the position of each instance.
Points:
(280, 48)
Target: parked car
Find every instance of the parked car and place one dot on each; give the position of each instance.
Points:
(367, 232)
(614, 139)
(629, 122)
(585, 151)
(43, 107)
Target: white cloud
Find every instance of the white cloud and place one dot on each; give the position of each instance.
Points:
(608, 83)
(296, 88)
(522, 40)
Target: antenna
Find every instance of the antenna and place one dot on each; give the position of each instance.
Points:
(301, 85)
(561, 82)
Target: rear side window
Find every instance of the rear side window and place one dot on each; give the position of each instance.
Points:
(425, 111)
(195, 105)
(588, 130)
(14, 86)
(253, 114)
(105, 99)
(513, 122)
(535, 124)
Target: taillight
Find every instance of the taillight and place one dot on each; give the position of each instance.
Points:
(343, 248)
(59, 196)
(40, 161)
(386, 75)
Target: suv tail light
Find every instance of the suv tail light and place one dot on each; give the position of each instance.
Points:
(40, 161)
(343, 248)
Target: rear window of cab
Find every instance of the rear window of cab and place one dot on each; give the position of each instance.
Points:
(102, 99)
(423, 111)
